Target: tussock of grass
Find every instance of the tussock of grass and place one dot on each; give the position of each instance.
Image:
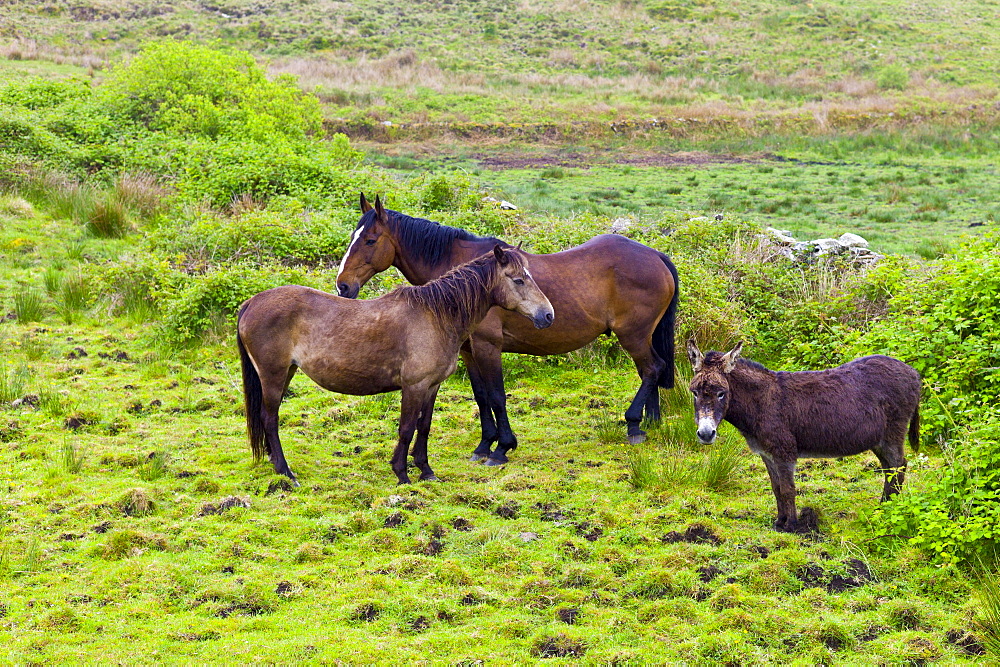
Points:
(988, 597)
(28, 306)
(13, 382)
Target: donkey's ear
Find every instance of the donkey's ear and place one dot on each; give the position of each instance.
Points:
(694, 355)
(501, 256)
(365, 206)
(729, 358)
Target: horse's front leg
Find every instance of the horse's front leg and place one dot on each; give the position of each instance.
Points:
(409, 414)
(423, 429)
(489, 360)
(488, 427)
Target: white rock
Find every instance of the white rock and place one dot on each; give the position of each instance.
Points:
(781, 236)
(620, 225)
(852, 240)
(507, 206)
(528, 537)
(827, 246)
(394, 500)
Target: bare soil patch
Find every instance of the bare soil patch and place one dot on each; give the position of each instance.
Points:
(582, 161)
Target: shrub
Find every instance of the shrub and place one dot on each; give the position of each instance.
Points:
(186, 88)
(216, 297)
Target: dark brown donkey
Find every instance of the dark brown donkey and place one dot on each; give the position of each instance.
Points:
(407, 339)
(863, 405)
(608, 284)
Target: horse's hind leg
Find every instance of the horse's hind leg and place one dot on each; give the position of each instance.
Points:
(423, 430)
(488, 426)
(647, 398)
(411, 408)
(273, 387)
(890, 456)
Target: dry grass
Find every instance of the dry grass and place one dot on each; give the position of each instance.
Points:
(21, 48)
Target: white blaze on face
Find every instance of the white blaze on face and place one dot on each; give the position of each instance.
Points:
(350, 248)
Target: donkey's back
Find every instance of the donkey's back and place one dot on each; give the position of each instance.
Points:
(851, 408)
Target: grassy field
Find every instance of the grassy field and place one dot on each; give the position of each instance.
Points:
(136, 528)
(561, 60)
(134, 525)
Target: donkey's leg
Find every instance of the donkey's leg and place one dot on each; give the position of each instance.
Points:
(782, 474)
(890, 456)
(649, 365)
(273, 383)
(486, 422)
(423, 429)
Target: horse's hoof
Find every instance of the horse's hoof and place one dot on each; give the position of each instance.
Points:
(495, 462)
(475, 458)
(430, 478)
(637, 439)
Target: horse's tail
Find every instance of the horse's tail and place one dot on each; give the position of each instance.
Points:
(252, 397)
(663, 334)
(914, 432)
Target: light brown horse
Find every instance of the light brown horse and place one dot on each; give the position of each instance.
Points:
(408, 339)
(608, 284)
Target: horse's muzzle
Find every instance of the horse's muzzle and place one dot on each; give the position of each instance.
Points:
(348, 291)
(543, 320)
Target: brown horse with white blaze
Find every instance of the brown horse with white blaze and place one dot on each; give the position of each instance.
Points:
(408, 339)
(863, 405)
(610, 284)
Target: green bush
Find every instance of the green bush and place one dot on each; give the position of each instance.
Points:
(186, 88)
(214, 298)
(957, 516)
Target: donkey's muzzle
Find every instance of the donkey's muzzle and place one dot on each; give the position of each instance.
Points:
(348, 291)
(543, 319)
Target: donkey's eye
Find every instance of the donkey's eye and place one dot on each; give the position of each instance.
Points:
(370, 242)
(518, 281)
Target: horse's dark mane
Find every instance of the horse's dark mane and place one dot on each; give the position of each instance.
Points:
(714, 357)
(462, 294)
(426, 239)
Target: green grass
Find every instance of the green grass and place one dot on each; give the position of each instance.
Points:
(810, 200)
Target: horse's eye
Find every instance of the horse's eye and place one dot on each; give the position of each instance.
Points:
(370, 242)
(722, 395)
(518, 281)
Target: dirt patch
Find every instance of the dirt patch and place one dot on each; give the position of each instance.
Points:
(394, 519)
(581, 161)
(458, 523)
(966, 641)
(283, 588)
(433, 548)
(808, 522)
(283, 485)
(558, 646)
(858, 574)
(367, 612)
(708, 572)
(568, 615)
(695, 533)
(224, 505)
(589, 532)
(508, 510)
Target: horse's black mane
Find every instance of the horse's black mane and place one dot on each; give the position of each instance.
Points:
(426, 239)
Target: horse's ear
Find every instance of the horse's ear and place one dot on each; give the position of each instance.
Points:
(501, 256)
(365, 206)
(694, 355)
(729, 358)
(379, 210)
(519, 244)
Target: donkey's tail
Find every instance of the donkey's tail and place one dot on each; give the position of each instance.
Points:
(914, 432)
(663, 334)
(253, 398)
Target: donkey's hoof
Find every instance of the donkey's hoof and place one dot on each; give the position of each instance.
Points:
(495, 462)
(637, 439)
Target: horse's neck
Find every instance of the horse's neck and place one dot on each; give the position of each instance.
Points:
(418, 272)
